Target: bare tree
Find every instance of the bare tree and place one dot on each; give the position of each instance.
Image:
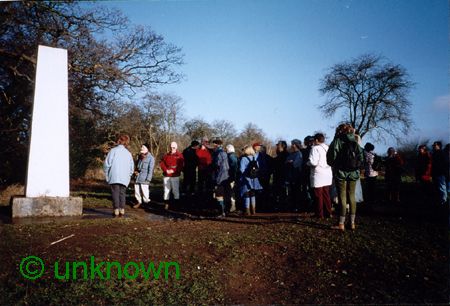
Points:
(162, 114)
(250, 134)
(224, 130)
(109, 61)
(372, 95)
(197, 128)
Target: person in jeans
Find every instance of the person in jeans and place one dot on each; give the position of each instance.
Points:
(439, 172)
(172, 164)
(345, 174)
(119, 167)
(144, 174)
(247, 184)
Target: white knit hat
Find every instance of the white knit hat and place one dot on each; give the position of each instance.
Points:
(230, 148)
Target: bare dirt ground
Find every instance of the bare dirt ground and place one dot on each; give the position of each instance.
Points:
(397, 255)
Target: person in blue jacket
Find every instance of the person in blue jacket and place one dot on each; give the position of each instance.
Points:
(220, 173)
(233, 174)
(248, 185)
(119, 168)
(144, 174)
(294, 163)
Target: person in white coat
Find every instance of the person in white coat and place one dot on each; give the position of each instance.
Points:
(321, 176)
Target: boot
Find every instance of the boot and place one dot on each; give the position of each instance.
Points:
(137, 205)
(353, 226)
(253, 209)
(247, 211)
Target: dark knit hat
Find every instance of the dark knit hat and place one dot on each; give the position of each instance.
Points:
(297, 143)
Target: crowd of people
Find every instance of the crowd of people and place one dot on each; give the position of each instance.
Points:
(306, 176)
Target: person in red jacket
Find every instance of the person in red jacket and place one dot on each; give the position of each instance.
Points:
(204, 157)
(393, 175)
(172, 164)
(423, 170)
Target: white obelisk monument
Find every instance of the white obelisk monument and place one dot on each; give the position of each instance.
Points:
(47, 188)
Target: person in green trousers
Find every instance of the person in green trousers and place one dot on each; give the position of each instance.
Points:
(346, 157)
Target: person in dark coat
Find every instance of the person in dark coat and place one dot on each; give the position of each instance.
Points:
(447, 167)
(393, 175)
(306, 190)
(233, 173)
(439, 172)
(423, 170)
(344, 174)
(190, 168)
(265, 169)
(220, 173)
(294, 163)
(279, 174)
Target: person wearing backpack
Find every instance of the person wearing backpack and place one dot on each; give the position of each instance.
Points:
(370, 174)
(248, 181)
(345, 157)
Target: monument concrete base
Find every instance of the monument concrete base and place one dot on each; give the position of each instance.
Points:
(46, 207)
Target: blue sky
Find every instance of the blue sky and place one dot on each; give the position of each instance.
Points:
(261, 61)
